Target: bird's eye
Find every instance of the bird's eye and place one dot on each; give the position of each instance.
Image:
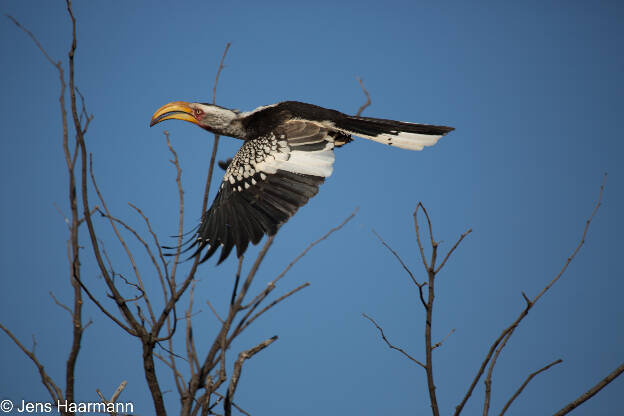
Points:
(198, 112)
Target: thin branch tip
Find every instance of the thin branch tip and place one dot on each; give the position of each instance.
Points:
(366, 94)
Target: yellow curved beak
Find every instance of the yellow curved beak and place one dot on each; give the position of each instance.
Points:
(179, 110)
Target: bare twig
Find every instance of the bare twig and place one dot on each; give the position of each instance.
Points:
(105, 311)
(179, 379)
(453, 249)
(488, 377)
(62, 305)
(34, 39)
(114, 397)
(273, 303)
(176, 162)
(424, 210)
(579, 245)
(118, 391)
(368, 99)
(214, 311)
(151, 255)
(84, 113)
(221, 66)
(439, 343)
(191, 353)
(420, 245)
(238, 368)
(221, 397)
(237, 279)
(526, 382)
(411, 275)
(421, 294)
(383, 336)
(46, 380)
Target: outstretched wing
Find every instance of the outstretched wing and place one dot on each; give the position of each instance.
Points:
(269, 178)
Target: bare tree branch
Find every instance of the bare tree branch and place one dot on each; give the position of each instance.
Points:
(176, 162)
(46, 380)
(526, 382)
(431, 274)
(452, 250)
(215, 143)
(579, 245)
(191, 353)
(272, 304)
(488, 378)
(411, 275)
(34, 39)
(214, 311)
(76, 313)
(162, 273)
(170, 305)
(383, 336)
(591, 392)
(177, 376)
(368, 99)
(271, 286)
(420, 246)
(238, 368)
(88, 118)
(309, 247)
(122, 241)
(105, 311)
(530, 303)
(221, 397)
(114, 397)
(439, 343)
(62, 305)
(221, 66)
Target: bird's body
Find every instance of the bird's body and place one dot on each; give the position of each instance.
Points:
(288, 152)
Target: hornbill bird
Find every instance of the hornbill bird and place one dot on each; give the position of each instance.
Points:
(288, 151)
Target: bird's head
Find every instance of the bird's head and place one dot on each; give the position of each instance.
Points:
(207, 116)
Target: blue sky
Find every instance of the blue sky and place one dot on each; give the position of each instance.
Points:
(534, 91)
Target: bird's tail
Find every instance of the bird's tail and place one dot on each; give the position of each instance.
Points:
(409, 136)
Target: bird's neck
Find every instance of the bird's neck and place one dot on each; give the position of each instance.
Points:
(224, 122)
(235, 129)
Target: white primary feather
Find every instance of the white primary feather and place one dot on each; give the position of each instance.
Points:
(400, 139)
(403, 140)
(317, 163)
(414, 141)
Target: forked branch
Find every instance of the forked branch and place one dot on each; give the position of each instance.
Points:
(507, 332)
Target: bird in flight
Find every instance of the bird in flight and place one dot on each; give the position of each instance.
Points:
(288, 151)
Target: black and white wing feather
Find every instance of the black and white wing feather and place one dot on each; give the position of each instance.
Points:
(267, 181)
(411, 136)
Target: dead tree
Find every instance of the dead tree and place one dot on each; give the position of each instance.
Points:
(205, 384)
(426, 292)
